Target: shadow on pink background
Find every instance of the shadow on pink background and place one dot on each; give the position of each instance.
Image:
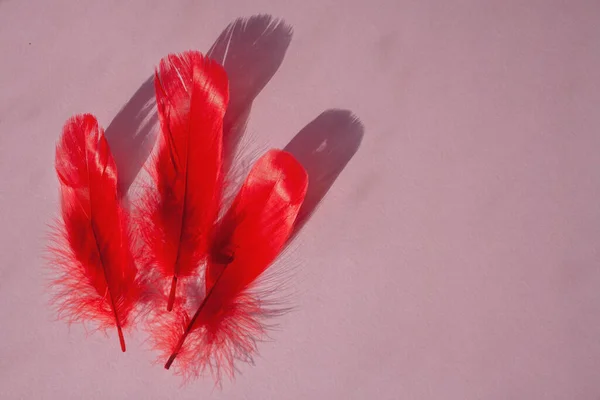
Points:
(449, 245)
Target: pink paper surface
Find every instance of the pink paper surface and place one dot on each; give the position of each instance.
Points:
(456, 255)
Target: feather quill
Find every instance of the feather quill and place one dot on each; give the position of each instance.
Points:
(97, 279)
(178, 215)
(227, 323)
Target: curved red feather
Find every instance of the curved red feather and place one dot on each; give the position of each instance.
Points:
(98, 279)
(248, 239)
(178, 217)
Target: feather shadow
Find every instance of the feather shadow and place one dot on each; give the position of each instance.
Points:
(324, 147)
(132, 134)
(251, 51)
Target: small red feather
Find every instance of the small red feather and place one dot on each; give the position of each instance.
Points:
(97, 279)
(227, 323)
(178, 215)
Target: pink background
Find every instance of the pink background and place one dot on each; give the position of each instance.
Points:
(456, 256)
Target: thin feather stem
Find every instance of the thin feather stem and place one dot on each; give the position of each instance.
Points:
(190, 326)
(119, 330)
(112, 302)
(172, 293)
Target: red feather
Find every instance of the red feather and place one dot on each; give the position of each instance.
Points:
(177, 217)
(227, 323)
(97, 277)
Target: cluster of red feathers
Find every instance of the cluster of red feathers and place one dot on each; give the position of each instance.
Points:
(178, 253)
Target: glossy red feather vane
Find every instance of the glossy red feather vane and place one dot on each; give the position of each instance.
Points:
(178, 214)
(227, 323)
(97, 278)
